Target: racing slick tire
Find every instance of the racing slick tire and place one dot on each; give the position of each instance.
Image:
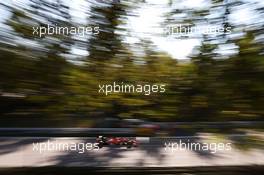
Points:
(101, 144)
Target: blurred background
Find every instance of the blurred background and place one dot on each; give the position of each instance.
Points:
(214, 83)
(53, 81)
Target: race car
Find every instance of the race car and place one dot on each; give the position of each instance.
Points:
(119, 141)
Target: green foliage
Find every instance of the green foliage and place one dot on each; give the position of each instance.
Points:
(41, 82)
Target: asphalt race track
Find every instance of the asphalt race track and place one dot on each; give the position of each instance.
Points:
(152, 152)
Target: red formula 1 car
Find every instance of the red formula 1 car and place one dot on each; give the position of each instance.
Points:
(120, 141)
